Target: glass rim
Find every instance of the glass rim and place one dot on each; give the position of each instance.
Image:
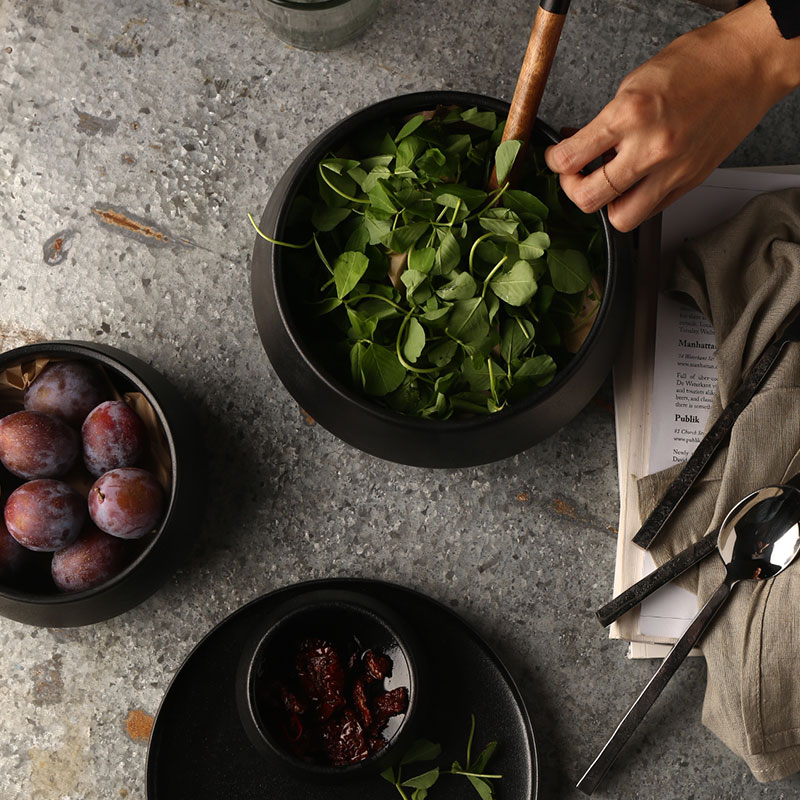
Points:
(308, 5)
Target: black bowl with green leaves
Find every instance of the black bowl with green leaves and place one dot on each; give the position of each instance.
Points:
(417, 315)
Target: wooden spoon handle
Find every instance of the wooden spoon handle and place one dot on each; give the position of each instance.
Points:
(534, 72)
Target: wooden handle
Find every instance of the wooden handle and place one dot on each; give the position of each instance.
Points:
(533, 75)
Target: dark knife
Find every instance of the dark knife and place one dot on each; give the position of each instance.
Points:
(717, 434)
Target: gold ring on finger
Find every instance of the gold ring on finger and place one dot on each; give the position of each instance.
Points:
(611, 186)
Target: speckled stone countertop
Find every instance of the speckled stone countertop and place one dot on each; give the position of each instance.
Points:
(183, 115)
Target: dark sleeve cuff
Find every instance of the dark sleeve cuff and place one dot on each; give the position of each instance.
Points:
(786, 14)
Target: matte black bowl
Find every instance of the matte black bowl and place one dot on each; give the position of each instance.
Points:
(173, 538)
(345, 619)
(394, 436)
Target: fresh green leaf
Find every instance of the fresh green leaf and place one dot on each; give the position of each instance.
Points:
(442, 354)
(436, 316)
(376, 174)
(569, 270)
(326, 305)
(516, 336)
(450, 194)
(432, 163)
(348, 269)
(490, 252)
(377, 309)
(407, 152)
(418, 288)
(388, 775)
(339, 165)
(525, 204)
(448, 256)
(406, 398)
(462, 287)
(409, 127)
(483, 759)
(516, 286)
(363, 327)
(475, 371)
(423, 781)
(356, 353)
(326, 219)
(358, 239)
(422, 260)
(459, 144)
(534, 246)
(382, 372)
(481, 787)
(369, 164)
(544, 298)
(499, 221)
(505, 157)
(381, 198)
(539, 369)
(378, 229)
(492, 305)
(445, 383)
(415, 341)
(481, 119)
(401, 240)
(469, 322)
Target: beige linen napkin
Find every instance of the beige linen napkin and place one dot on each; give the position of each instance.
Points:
(745, 277)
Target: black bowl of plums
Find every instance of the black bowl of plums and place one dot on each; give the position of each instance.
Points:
(97, 455)
(330, 686)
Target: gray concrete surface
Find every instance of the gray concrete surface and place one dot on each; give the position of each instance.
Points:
(185, 114)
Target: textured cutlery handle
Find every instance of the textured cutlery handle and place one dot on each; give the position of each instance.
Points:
(588, 783)
(634, 594)
(717, 434)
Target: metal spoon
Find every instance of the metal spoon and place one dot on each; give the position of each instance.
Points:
(759, 538)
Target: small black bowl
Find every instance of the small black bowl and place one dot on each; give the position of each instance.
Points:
(353, 624)
(169, 544)
(391, 435)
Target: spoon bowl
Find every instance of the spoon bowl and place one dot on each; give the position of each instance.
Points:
(760, 536)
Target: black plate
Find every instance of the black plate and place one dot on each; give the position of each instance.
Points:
(198, 748)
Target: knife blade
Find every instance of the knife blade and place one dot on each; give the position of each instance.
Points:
(718, 432)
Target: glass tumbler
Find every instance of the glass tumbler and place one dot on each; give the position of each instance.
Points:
(317, 24)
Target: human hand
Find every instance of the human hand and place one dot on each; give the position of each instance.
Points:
(678, 115)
